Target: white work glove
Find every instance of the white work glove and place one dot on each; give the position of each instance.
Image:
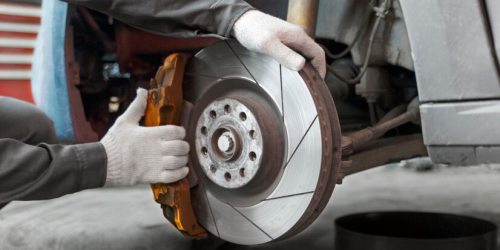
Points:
(144, 154)
(286, 42)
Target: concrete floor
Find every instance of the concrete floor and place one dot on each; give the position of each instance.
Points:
(127, 218)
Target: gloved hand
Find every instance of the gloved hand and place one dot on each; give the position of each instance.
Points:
(286, 42)
(144, 154)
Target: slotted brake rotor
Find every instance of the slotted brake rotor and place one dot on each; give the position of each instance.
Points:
(265, 144)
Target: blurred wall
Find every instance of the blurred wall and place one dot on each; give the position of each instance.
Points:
(19, 25)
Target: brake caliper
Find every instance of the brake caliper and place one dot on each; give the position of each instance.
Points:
(165, 102)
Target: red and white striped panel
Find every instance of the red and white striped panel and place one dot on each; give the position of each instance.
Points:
(19, 25)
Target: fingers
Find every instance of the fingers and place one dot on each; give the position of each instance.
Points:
(173, 175)
(166, 165)
(166, 133)
(302, 43)
(284, 55)
(286, 42)
(162, 169)
(175, 148)
(136, 109)
(320, 65)
(173, 162)
(168, 176)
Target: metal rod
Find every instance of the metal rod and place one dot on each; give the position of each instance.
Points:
(365, 135)
(392, 113)
(304, 13)
(387, 150)
(94, 26)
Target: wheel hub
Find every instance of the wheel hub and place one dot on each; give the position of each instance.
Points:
(229, 142)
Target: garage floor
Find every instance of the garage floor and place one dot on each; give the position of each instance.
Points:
(128, 218)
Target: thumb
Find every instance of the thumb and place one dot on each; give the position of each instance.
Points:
(135, 111)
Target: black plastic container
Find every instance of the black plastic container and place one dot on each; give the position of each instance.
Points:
(413, 230)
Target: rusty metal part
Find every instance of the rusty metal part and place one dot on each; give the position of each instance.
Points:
(136, 48)
(393, 113)
(177, 208)
(83, 129)
(387, 150)
(107, 43)
(333, 161)
(361, 137)
(304, 13)
(361, 152)
(165, 101)
(228, 133)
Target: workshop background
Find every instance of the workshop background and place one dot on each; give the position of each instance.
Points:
(19, 25)
(128, 218)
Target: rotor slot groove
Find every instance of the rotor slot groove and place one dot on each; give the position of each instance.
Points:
(239, 59)
(252, 222)
(300, 142)
(288, 196)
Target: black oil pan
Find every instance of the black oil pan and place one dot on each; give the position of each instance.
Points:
(412, 231)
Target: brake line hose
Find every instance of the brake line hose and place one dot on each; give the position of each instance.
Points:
(358, 35)
(380, 12)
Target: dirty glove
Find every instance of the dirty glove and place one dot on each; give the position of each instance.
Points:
(144, 154)
(286, 42)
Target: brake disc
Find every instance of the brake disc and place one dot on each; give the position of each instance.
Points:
(265, 144)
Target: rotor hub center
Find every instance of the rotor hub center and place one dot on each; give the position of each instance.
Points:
(226, 143)
(229, 143)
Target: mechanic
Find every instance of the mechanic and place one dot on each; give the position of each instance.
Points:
(33, 166)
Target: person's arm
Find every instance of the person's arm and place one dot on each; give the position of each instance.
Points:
(128, 154)
(49, 171)
(182, 18)
(256, 31)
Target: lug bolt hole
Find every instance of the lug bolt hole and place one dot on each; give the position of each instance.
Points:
(204, 150)
(227, 109)
(252, 134)
(242, 172)
(227, 176)
(243, 116)
(204, 130)
(252, 156)
(213, 168)
(212, 114)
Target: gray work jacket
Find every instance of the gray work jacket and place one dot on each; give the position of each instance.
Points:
(29, 172)
(33, 166)
(180, 18)
(48, 171)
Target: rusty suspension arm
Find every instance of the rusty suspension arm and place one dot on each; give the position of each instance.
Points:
(354, 152)
(359, 138)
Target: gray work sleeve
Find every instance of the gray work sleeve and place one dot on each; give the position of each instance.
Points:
(49, 171)
(180, 18)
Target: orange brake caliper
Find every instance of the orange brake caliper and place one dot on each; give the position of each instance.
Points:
(164, 107)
